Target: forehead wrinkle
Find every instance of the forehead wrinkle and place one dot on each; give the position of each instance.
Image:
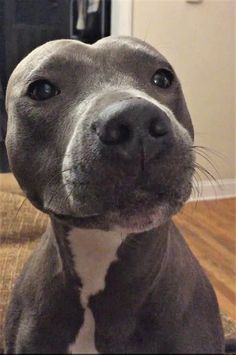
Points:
(136, 54)
(39, 67)
(152, 55)
(130, 46)
(48, 64)
(61, 63)
(51, 56)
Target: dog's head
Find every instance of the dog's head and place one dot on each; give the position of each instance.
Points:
(100, 135)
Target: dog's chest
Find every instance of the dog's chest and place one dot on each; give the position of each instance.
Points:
(93, 252)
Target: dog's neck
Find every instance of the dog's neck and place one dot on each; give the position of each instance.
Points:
(91, 252)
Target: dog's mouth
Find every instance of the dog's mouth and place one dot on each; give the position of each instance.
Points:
(120, 201)
(115, 221)
(136, 217)
(71, 218)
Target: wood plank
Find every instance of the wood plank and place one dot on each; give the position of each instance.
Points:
(209, 228)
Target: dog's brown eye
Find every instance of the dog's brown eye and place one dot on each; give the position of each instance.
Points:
(163, 78)
(42, 90)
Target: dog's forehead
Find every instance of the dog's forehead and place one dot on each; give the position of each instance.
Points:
(49, 55)
(129, 46)
(56, 55)
(68, 52)
(62, 57)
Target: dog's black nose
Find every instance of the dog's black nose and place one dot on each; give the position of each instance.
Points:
(132, 122)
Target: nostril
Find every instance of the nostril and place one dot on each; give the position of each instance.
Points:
(119, 134)
(158, 128)
(113, 133)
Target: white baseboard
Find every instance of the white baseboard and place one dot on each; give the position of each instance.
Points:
(121, 17)
(225, 188)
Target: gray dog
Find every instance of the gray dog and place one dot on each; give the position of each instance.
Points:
(100, 138)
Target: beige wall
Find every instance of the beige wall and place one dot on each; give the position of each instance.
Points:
(199, 40)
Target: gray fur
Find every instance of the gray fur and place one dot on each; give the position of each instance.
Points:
(157, 299)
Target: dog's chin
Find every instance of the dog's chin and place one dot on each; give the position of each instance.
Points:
(120, 221)
(142, 222)
(137, 225)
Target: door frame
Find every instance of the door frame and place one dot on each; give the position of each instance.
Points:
(122, 18)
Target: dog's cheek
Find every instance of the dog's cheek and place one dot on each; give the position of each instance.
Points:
(33, 168)
(182, 113)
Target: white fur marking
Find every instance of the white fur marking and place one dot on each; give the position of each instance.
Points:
(93, 251)
(85, 340)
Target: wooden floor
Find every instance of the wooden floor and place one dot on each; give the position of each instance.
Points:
(210, 230)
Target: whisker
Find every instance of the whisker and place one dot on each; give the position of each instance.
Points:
(210, 162)
(210, 150)
(58, 174)
(209, 177)
(213, 177)
(56, 192)
(69, 194)
(206, 172)
(196, 188)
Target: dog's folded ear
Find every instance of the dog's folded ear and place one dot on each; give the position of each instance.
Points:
(4, 167)
(3, 116)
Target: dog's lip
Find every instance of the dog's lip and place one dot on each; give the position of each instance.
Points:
(144, 189)
(67, 218)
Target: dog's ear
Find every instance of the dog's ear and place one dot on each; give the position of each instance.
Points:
(4, 166)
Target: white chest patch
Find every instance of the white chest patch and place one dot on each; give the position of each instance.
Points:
(93, 252)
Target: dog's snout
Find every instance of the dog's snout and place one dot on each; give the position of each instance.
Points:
(129, 122)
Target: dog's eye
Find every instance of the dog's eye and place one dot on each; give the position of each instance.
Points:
(42, 90)
(163, 78)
